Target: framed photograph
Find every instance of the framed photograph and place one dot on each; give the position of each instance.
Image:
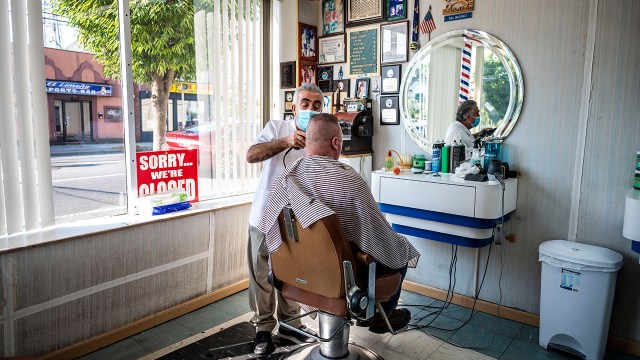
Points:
(307, 42)
(325, 78)
(332, 17)
(308, 72)
(332, 49)
(391, 75)
(288, 100)
(340, 92)
(362, 58)
(394, 42)
(327, 106)
(362, 88)
(288, 75)
(389, 110)
(396, 10)
(288, 116)
(360, 12)
(113, 114)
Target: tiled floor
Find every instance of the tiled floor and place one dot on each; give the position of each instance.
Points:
(483, 337)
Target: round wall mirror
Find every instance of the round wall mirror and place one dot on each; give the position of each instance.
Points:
(455, 64)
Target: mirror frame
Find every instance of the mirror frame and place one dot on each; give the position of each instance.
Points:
(502, 52)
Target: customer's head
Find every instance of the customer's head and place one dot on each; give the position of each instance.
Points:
(306, 98)
(467, 112)
(324, 136)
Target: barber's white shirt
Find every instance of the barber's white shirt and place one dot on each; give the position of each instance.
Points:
(273, 167)
(458, 132)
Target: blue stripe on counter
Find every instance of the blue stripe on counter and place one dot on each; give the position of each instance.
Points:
(635, 246)
(441, 217)
(437, 236)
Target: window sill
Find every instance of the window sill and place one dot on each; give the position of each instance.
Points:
(79, 229)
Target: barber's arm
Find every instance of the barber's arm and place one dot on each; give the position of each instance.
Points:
(266, 150)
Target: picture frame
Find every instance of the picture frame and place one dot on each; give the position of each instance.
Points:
(327, 103)
(396, 10)
(307, 73)
(288, 116)
(361, 12)
(362, 58)
(112, 113)
(325, 78)
(394, 42)
(307, 42)
(332, 49)
(287, 75)
(340, 92)
(391, 76)
(288, 100)
(389, 110)
(332, 17)
(361, 89)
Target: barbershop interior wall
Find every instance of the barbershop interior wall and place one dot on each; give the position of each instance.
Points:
(550, 41)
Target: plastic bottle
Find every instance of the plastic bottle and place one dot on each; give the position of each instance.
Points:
(456, 155)
(445, 159)
(492, 151)
(636, 182)
(436, 153)
(475, 156)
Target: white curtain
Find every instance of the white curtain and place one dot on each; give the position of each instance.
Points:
(228, 56)
(443, 96)
(26, 200)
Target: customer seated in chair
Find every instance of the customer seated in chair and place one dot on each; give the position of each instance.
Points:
(319, 185)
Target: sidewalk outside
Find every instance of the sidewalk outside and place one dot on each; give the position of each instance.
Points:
(94, 149)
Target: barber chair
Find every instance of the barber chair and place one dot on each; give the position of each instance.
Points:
(316, 266)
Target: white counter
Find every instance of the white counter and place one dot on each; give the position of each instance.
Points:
(443, 208)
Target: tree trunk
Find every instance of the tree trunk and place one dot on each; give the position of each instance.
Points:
(160, 86)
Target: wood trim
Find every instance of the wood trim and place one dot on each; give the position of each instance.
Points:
(613, 342)
(100, 341)
(481, 305)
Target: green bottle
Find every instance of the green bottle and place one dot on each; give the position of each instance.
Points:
(636, 182)
(445, 159)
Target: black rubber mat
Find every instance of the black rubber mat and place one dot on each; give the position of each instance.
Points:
(235, 342)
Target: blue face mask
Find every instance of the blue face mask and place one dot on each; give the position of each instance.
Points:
(303, 118)
(476, 121)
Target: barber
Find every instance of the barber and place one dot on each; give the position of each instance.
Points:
(279, 144)
(467, 118)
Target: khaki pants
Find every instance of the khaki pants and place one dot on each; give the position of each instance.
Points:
(262, 296)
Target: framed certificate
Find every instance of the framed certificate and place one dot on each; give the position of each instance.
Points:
(394, 42)
(391, 75)
(332, 49)
(389, 110)
(332, 17)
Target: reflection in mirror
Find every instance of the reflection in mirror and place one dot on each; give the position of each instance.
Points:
(431, 86)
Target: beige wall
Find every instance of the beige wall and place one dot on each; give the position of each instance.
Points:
(65, 292)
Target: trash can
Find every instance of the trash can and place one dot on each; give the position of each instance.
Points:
(577, 286)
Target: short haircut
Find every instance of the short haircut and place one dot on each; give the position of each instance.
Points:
(465, 108)
(306, 87)
(322, 128)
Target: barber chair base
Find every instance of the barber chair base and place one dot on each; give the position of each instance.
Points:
(312, 352)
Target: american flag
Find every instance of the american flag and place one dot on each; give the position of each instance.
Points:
(427, 25)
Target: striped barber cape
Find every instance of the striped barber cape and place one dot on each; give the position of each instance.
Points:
(318, 186)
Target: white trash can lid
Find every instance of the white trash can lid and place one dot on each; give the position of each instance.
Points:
(583, 254)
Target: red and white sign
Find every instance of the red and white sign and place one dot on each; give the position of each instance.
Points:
(160, 171)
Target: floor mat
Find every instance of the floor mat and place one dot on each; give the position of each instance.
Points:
(235, 342)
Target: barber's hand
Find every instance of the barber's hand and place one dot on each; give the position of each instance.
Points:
(297, 139)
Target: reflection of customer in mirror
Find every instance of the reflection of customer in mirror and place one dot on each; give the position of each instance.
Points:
(467, 118)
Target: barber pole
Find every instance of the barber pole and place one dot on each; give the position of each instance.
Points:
(465, 71)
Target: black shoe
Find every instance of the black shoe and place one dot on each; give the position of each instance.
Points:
(300, 337)
(363, 323)
(399, 318)
(263, 345)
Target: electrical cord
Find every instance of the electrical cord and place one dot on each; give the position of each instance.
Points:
(285, 156)
(417, 326)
